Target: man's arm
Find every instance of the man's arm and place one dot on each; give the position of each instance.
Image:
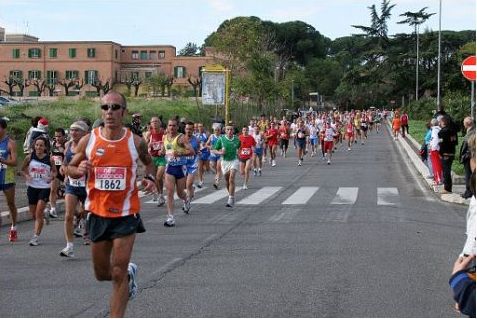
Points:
(79, 166)
(149, 181)
(12, 160)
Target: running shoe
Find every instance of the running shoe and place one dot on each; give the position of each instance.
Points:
(329, 162)
(349, 148)
(274, 163)
(259, 172)
(12, 235)
(230, 202)
(200, 184)
(244, 187)
(170, 221)
(254, 172)
(186, 206)
(67, 252)
(160, 201)
(53, 213)
(34, 241)
(299, 163)
(132, 272)
(154, 198)
(77, 232)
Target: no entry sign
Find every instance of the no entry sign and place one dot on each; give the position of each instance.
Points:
(469, 68)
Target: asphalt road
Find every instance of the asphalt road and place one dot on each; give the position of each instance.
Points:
(358, 238)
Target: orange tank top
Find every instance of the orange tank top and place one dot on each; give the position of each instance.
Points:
(111, 186)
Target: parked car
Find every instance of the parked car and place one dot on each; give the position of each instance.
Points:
(6, 100)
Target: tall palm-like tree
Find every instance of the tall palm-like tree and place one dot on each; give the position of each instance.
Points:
(415, 19)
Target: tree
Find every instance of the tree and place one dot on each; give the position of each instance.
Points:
(195, 83)
(131, 82)
(415, 19)
(22, 84)
(51, 88)
(103, 86)
(67, 84)
(191, 49)
(11, 83)
(40, 85)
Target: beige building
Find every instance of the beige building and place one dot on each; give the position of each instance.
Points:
(23, 57)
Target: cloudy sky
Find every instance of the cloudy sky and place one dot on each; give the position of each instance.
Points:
(177, 22)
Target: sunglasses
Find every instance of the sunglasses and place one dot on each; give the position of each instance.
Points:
(113, 107)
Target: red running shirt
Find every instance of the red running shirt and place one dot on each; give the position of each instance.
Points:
(246, 144)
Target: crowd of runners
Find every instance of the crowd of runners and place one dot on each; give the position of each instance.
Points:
(95, 168)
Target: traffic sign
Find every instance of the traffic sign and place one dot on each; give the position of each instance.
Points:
(469, 68)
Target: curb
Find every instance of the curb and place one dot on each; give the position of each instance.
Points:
(423, 171)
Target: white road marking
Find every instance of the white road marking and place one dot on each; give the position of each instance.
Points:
(197, 190)
(345, 196)
(388, 196)
(259, 196)
(301, 196)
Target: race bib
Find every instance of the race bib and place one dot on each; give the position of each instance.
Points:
(58, 160)
(156, 146)
(110, 178)
(80, 182)
(246, 151)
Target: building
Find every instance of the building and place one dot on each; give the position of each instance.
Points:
(88, 64)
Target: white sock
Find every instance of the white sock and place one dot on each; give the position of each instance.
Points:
(69, 244)
(14, 227)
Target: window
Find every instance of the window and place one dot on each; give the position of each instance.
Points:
(153, 55)
(72, 52)
(34, 53)
(53, 53)
(147, 75)
(16, 53)
(143, 55)
(135, 55)
(72, 75)
(34, 75)
(116, 54)
(134, 75)
(90, 76)
(16, 74)
(91, 52)
(162, 54)
(179, 72)
(51, 77)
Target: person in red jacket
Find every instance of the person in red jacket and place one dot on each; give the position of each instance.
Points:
(404, 124)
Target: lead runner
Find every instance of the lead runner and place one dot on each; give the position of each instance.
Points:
(108, 156)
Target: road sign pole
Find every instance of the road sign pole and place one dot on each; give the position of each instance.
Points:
(227, 96)
(472, 100)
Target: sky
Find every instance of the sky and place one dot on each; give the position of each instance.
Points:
(177, 22)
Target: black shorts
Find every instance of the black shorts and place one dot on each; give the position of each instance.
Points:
(36, 194)
(244, 160)
(301, 143)
(283, 143)
(101, 228)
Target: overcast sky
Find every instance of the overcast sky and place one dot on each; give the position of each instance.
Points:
(176, 22)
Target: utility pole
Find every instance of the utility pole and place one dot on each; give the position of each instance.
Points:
(439, 107)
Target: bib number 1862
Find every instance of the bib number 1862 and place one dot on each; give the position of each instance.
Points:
(110, 178)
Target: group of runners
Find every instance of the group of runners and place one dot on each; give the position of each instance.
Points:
(99, 170)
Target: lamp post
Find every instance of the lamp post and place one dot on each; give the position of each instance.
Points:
(439, 107)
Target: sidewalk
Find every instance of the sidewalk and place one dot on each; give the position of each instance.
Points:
(411, 148)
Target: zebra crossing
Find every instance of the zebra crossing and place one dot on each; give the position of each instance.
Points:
(344, 196)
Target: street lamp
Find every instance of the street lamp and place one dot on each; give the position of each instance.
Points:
(439, 108)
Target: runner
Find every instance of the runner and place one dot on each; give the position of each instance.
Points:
(263, 125)
(364, 127)
(227, 146)
(214, 159)
(313, 137)
(329, 137)
(57, 154)
(192, 164)
(176, 148)
(108, 156)
(154, 138)
(271, 137)
(357, 126)
(39, 170)
(204, 155)
(301, 135)
(246, 151)
(258, 152)
(8, 162)
(396, 124)
(284, 132)
(75, 188)
(350, 133)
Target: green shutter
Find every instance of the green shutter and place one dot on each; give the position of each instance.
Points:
(39, 75)
(184, 72)
(86, 80)
(39, 53)
(175, 71)
(29, 53)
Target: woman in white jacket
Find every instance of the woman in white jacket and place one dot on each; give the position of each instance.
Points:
(434, 153)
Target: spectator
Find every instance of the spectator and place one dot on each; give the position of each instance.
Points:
(447, 143)
(470, 246)
(427, 141)
(404, 124)
(40, 130)
(182, 125)
(434, 153)
(464, 155)
(26, 143)
(135, 125)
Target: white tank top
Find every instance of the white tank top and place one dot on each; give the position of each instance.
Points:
(40, 172)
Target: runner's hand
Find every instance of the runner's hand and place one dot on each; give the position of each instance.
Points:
(84, 167)
(149, 186)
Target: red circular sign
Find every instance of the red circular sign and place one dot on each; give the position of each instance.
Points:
(469, 68)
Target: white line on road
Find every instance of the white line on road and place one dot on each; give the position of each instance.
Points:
(259, 196)
(388, 196)
(197, 190)
(345, 196)
(212, 198)
(301, 196)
